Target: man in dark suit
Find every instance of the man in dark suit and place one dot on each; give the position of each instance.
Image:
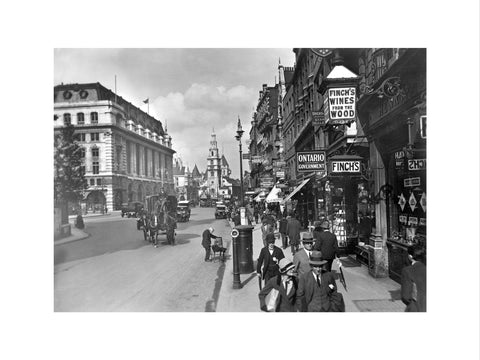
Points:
(293, 232)
(414, 281)
(286, 284)
(326, 242)
(270, 255)
(207, 242)
(317, 290)
(301, 259)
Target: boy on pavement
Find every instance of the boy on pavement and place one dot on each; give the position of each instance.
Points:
(270, 255)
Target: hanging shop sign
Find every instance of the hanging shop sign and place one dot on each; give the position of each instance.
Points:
(266, 185)
(411, 182)
(279, 163)
(266, 178)
(257, 159)
(308, 161)
(318, 118)
(280, 174)
(340, 105)
(246, 156)
(340, 167)
(399, 159)
(417, 164)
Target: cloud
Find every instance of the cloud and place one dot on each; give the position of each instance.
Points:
(192, 116)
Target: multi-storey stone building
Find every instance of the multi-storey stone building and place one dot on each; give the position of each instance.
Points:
(128, 154)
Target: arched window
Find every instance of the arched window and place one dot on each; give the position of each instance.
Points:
(94, 118)
(80, 119)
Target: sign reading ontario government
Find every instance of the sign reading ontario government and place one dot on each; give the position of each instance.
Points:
(310, 161)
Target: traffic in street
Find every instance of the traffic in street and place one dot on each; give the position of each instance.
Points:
(115, 269)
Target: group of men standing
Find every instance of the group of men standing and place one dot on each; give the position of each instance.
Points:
(307, 283)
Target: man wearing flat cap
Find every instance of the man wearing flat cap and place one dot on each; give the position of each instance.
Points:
(286, 284)
(270, 255)
(301, 259)
(326, 242)
(317, 290)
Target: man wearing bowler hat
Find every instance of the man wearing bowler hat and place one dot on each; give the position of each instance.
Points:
(317, 290)
(270, 255)
(301, 259)
(326, 242)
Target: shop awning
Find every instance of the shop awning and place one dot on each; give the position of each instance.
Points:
(296, 190)
(273, 197)
(260, 197)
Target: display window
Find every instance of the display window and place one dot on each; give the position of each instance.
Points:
(408, 218)
(345, 202)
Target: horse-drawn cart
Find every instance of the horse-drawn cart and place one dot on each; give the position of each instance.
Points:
(159, 216)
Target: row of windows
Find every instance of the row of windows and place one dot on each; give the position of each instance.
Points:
(67, 118)
(82, 136)
(95, 152)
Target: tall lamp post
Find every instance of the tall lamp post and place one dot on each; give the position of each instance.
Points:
(239, 138)
(235, 233)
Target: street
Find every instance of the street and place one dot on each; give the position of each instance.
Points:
(116, 270)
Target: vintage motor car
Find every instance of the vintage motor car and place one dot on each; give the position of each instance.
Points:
(220, 211)
(183, 211)
(131, 209)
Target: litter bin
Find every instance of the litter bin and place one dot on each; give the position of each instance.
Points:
(244, 243)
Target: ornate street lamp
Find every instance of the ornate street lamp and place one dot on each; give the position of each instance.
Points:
(239, 138)
(235, 233)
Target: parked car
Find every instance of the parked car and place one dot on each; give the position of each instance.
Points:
(131, 209)
(220, 212)
(183, 211)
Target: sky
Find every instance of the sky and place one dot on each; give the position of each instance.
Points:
(194, 91)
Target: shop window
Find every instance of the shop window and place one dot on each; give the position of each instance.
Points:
(94, 118)
(80, 119)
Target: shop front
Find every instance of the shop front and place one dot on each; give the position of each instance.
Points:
(343, 200)
(394, 120)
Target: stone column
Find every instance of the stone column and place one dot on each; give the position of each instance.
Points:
(378, 252)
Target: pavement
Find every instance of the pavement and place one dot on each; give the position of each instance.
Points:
(364, 293)
(77, 234)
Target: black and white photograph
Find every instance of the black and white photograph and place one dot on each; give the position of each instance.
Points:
(209, 163)
(203, 200)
